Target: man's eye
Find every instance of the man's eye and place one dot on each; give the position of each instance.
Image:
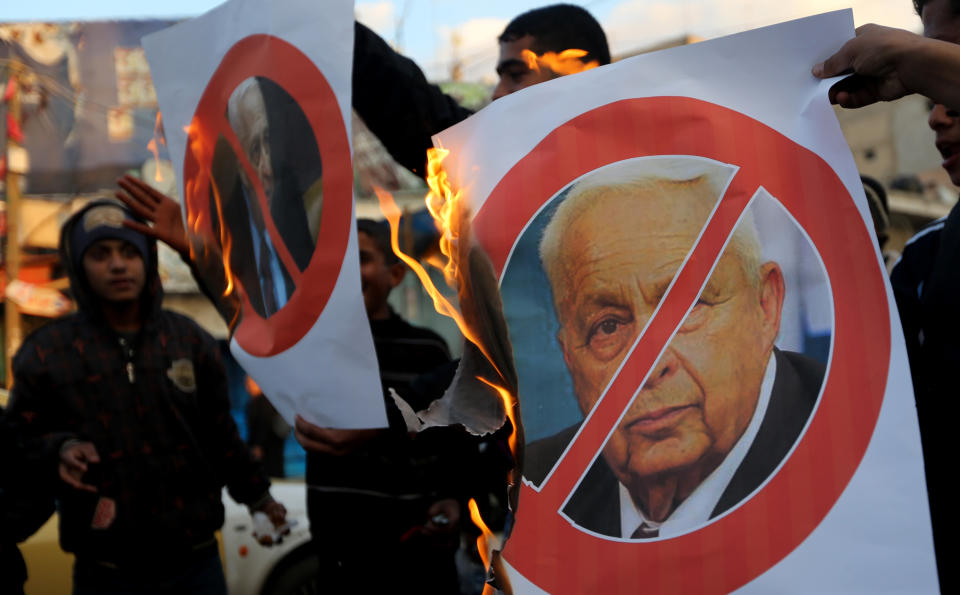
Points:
(608, 327)
(696, 317)
(608, 336)
(517, 77)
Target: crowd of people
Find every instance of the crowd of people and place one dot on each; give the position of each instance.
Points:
(119, 414)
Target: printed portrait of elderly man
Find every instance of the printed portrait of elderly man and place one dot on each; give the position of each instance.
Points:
(277, 141)
(722, 406)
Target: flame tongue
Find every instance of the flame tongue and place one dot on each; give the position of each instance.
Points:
(154, 148)
(562, 64)
(212, 260)
(481, 396)
(488, 357)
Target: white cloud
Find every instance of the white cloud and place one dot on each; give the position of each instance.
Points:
(378, 16)
(476, 48)
(635, 24)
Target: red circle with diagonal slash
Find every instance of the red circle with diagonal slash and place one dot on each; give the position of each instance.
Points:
(736, 548)
(273, 58)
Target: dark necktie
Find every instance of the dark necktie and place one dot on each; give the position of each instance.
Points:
(645, 531)
(266, 277)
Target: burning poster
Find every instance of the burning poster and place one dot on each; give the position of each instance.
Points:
(711, 375)
(256, 106)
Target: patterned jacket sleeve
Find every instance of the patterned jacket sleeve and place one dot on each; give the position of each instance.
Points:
(226, 451)
(33, 412)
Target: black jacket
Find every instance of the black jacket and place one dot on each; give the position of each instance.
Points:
(926, 285)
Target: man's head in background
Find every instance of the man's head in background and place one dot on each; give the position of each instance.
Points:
(380, 269)
(941, 20)
(610, 252)
(552, 28)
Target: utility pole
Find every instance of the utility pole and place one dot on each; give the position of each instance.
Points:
(13, 333)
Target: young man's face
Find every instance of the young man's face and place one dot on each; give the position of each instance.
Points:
(939, 22)
(377, 278)
(114, 270)
(513, 69)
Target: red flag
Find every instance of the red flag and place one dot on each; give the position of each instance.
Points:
(11, 89)
(14, 132)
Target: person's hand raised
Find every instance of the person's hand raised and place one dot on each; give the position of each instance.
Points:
(157, 208)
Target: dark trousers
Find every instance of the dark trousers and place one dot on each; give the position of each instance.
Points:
(197, 575)
(369, 546)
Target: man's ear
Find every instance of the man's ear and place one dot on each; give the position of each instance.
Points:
(772, 290)
(398, 271)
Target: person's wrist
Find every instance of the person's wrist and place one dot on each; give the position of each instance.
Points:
(261, 502)
(67, 444)
(912, 56)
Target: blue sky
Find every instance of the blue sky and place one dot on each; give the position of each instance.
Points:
(425, 29)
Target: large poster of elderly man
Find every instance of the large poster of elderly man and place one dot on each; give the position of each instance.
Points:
(711, 378)
(257, 114)
(725, 402)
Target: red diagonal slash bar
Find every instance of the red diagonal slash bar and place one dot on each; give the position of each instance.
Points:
(279, 245)
(673, 309)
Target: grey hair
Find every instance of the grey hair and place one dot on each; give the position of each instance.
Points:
(239, 102)
(663, 176)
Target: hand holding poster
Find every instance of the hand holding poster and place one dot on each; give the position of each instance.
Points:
(256, 104)
(711, 373)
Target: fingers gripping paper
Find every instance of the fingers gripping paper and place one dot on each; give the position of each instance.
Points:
(256, 104)
(711, 375)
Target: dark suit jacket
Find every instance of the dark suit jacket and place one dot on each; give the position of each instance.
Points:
(236, 215)
(596, 503)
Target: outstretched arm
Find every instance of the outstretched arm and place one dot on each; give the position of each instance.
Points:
(410, 112)
(887, 64)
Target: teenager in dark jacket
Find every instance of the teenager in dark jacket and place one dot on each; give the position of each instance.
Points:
(131, 400)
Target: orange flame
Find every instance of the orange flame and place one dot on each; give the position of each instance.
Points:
(392, 212)
(443, 202)
(562, 64)
(154, 148)
(196, 142)
(446, 206)
(485, 542)
(509, 405)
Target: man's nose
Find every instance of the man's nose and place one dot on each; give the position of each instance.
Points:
(263, 164)
(941, 117)
(663, 369)
(117, 262)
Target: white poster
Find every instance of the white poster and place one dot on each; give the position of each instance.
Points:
(256, 105)
(713, 384)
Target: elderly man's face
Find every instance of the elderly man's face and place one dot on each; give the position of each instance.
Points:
(618, 259)
(249, 121)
